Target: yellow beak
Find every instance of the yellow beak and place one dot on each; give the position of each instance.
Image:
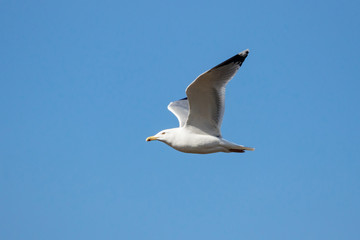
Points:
(151, 138)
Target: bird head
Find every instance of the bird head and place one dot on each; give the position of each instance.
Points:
(163, 136)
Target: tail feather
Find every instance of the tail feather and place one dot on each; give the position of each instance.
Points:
(248, 148)
(232, 147)
(241, 149)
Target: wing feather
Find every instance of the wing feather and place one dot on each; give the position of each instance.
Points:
(180, 109)
(206, 95)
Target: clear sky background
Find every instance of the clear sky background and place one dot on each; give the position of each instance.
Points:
(83, 83)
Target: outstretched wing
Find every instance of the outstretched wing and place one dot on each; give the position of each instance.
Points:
(206, 95)
(180, 109)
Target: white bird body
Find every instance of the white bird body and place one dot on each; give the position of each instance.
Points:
(189, 142)
(200, 114)
(185, 140)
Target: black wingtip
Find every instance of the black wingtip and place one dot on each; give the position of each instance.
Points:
(237, 59)
(244, 53)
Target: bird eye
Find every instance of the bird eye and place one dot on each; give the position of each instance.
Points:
(162, 133)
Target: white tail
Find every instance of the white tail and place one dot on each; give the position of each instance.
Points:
(248, 148)
(241, 149)
(232, 147)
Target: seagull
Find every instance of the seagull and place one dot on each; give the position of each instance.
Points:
(200, 114)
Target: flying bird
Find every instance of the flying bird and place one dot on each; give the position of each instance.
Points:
(200, 114)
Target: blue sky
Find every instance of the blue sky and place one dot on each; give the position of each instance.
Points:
(83, 83)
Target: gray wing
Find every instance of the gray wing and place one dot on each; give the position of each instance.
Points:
(206, 96)
(180, 109)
